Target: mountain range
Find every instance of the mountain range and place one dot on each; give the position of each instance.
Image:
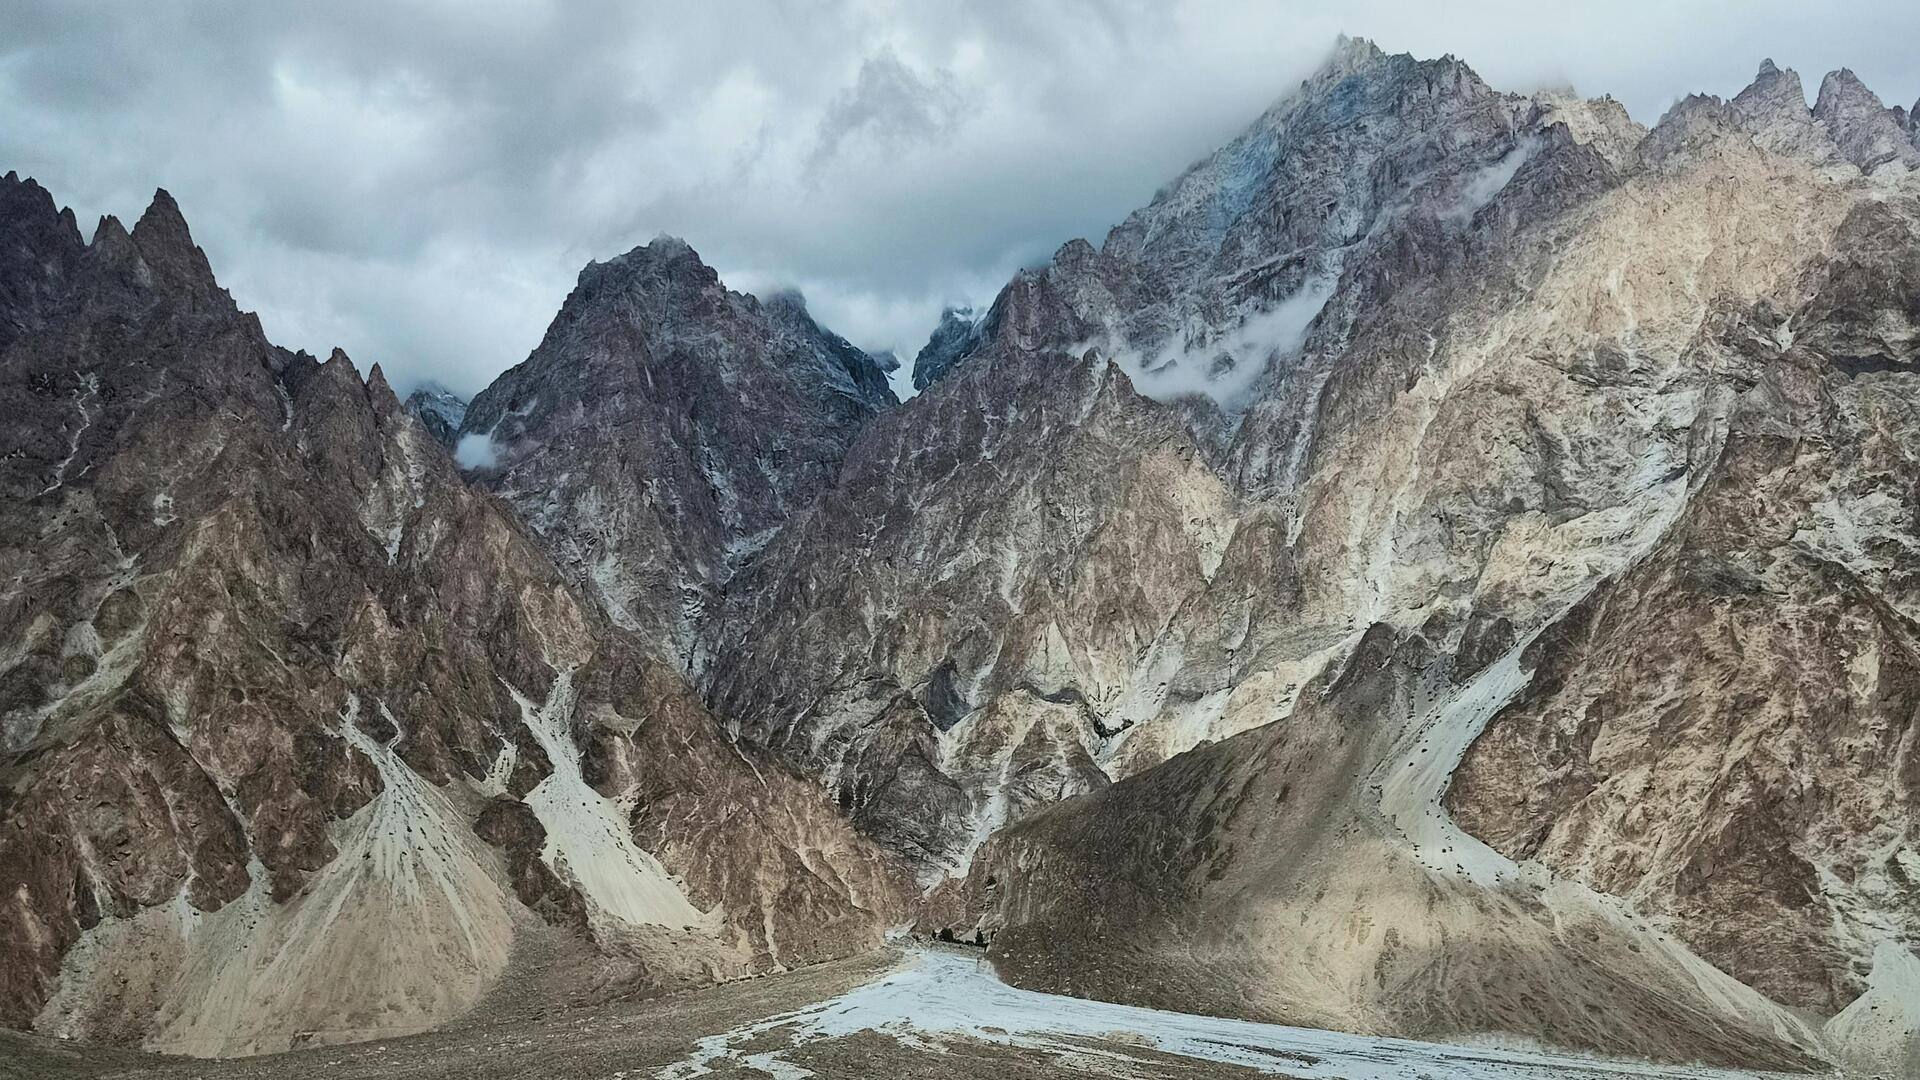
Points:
(1447, 567)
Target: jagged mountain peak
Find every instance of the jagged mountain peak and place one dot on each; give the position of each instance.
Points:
(1359, 79)
(1696, 120)
(109, 234)
(13, 182)
(1867, 132)
(167, 244)
(42, 251)
(335, 379)
(1773, 108)
(340, 378)
(1349, 54)
(1361, 58)
(1772, 87)
(1847, 122)
(1842, 89)
(1698, 113)
(667, 259)
(158, 257)
(661, 276)
(23, 198)
(666, 246)
(662, 293)
(1193, 277)
(665, 425)
(163, 222)
(380, 392)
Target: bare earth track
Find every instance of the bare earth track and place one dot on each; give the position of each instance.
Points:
(928, 1012)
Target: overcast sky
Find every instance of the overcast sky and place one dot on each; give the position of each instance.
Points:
(420, 183)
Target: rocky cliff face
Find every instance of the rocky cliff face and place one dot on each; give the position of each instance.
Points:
(664, 428)
(297, 725)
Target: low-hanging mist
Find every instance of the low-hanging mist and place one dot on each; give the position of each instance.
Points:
(1225, 367)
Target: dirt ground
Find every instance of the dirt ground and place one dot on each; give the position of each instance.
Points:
(524, 1029)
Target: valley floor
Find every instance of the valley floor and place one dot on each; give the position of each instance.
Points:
(930, 1012)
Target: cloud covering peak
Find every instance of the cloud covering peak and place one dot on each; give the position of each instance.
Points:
(421, 182)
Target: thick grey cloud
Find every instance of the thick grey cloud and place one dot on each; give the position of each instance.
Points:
(890, 103)
(420, 182)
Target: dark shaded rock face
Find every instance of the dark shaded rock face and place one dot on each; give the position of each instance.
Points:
(264, 660)
(665, 427)
(960, 332)
(43, 252)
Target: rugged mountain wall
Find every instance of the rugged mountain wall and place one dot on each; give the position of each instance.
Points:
(1121, 562)
(267, 664)
(1445, 369)
(665, 427)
